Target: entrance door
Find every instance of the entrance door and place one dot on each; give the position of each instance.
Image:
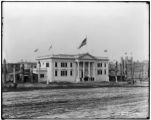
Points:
(81, 75)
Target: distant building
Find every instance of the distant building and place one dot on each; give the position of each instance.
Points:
(115, 70)
(140, 70)
(10, 66)
(72, 68)
(22, 69)
(129, 69)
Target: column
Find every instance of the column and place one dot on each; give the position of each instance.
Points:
(88, 69)
(94, 70)
(83, 70)
(47, 76)
(77, 80)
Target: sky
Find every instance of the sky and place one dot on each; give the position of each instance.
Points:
(118, 27)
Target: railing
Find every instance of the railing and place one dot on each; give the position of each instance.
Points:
(35, 70)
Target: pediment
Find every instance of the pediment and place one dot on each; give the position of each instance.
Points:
(87, 56)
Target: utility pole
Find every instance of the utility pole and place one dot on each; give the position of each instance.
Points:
(132, 70)
(4, 70)
(116, 69)
(14, 81)
(126, 73)
(142, 70)
(121, 70)
(148, 70)
(38, 71)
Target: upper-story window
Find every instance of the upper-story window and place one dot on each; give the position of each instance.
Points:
(99, 64)
(47, 64)
(70, 64)
(64, 64)
(55, 64)
(104, 64)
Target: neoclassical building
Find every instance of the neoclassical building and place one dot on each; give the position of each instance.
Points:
(72, 68)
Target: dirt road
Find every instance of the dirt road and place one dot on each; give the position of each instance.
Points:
(113, 102)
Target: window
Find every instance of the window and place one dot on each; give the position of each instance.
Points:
(70, 64)
(104, 64)
(55, 72)
(71, 73)
(47, 64)
(41, 75)
(105, 72)
(64, 73)
(99, 64)
(55, 64)
(99, 72)
(63, 64)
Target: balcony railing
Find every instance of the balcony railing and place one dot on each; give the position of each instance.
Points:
(35, 70)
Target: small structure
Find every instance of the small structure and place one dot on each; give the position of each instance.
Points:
(20, 72)
(72, 68)
(26, 69)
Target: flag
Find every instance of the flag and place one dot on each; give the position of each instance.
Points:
(36, 50)
(84, 42)
(105, 51)
(50, 47)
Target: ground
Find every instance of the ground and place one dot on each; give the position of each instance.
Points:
(106, 102)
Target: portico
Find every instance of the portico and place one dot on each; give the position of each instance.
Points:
(85, 70)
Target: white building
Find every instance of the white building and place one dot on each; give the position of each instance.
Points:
(72, 68)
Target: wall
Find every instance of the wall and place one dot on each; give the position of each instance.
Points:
(50, 70)
(103, 77)
(50, 74)
(45, 75)
(67, 78)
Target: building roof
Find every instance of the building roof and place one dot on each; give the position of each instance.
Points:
(70, 56)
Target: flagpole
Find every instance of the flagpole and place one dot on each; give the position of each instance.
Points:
(106, 51)
(51, 48)
(36, 51)
(38, 63)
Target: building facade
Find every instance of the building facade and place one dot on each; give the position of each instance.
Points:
(72, 68)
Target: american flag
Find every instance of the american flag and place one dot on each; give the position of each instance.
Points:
(105, 51)
(84, 42)
(50, 47)
(36, 50)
